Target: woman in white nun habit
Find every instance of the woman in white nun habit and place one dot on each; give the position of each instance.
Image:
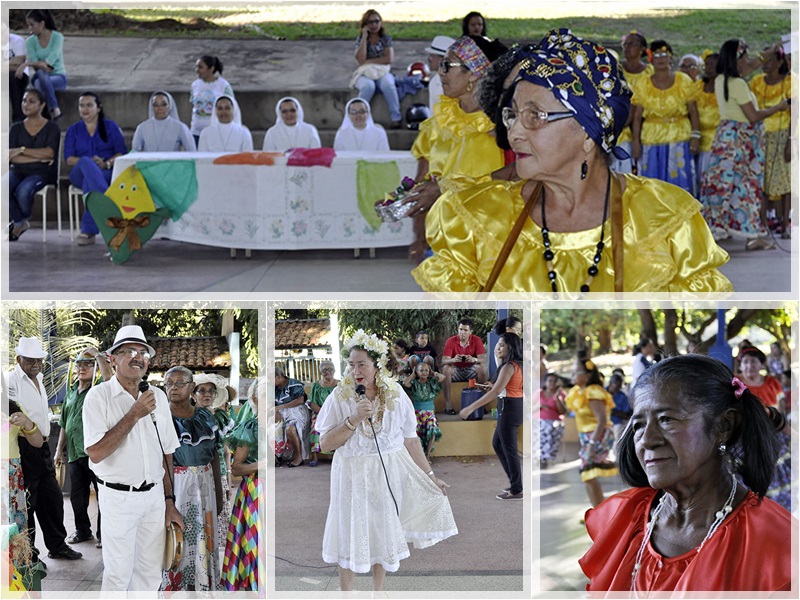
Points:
(358, 132)
(163, 130)
(226, 132)
(290, 131)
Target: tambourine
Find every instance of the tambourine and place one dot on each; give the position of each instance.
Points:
(61, 474)
(173, 549)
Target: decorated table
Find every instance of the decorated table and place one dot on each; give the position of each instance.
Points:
(260, 201)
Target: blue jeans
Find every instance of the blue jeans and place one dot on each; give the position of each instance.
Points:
(21, 190)
(385, 85)
(90, 178)
(49, 84)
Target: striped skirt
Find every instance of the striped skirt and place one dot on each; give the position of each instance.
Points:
(240, 566)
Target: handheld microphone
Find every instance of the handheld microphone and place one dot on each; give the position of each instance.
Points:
(143, 387)
(361, 391)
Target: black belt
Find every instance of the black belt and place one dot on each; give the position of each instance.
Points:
(126, 488)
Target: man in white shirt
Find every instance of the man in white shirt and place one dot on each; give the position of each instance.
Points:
(130, 438)
(436, 52)
(44, 499)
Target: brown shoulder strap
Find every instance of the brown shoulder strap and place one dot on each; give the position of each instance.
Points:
(617, 241)
(500, 262)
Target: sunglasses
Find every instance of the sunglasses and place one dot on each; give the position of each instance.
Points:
(445, 66)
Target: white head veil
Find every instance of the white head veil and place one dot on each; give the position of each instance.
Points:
(370, 139)
(173, 109)
(280, 137)
(237, 114)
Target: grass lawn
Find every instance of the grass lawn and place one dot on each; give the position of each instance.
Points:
(687, 30)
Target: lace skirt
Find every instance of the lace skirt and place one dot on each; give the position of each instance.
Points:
(363, 527)
(195, 499)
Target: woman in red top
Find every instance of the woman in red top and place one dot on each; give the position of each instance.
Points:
(508, 352)
(753, 362)
(694, 519)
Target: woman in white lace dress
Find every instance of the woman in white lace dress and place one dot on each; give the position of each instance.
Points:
(383, 492)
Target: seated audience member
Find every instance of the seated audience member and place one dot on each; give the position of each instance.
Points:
(290, 402)
(422, 351)
(374, 54)
(401, 352)
(13, 57)
(290, 130)
(90, 147)
(44, 52)
(33, 152)
(226, 132)
(163, 131)
(473, 24)
(358, 131)
(463, 358)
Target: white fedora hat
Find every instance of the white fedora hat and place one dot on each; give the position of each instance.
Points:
(131, 334)
(439, 45)
(29, 347)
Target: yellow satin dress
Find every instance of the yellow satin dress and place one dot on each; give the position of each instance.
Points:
(666, 116)
(708, 109)
(632, 78)
(459, 146)
(777, 172)
(667, 244)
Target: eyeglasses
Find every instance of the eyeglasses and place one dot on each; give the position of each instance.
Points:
(32, 361)
(205, 392)
(130, 352)
(445, 66)
(177, 384)
(84, 365)
(288, 110)
(326, 370)
(661, 54)
(363, 111)
(373, 21)
(531, 118)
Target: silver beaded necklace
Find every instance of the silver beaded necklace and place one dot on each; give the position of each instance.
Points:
(720, 515)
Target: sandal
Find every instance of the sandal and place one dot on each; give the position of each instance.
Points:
(313, 463)
(292, 465)
(761, 243)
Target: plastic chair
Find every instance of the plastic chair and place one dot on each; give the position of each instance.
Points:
(43, 194)
(75, 201)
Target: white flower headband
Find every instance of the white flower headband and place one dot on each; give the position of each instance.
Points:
(378, 350)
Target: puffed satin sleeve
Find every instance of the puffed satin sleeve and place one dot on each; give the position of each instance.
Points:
(751, 551)
(667, 244)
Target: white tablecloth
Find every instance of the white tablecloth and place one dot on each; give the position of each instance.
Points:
(279, 207)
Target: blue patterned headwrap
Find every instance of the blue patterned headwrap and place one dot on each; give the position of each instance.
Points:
(587, 80)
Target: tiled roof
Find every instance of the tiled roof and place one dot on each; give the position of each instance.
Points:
(302, 333)
(202, 353)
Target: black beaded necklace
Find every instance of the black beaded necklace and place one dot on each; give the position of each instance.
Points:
(548, 252)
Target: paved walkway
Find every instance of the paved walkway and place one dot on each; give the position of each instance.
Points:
(486, 555)
(37, 269)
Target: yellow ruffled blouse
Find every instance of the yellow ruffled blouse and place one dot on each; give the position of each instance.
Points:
(578, 400)
(632, 78)
(770, 95)
(459, 146)
(708, 110)
(666, 116)
(668, 246)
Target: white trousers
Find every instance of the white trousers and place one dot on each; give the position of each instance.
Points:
(133, 539)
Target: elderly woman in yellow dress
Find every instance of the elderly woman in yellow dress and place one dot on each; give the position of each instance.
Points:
(585, 228)
(455, 148)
